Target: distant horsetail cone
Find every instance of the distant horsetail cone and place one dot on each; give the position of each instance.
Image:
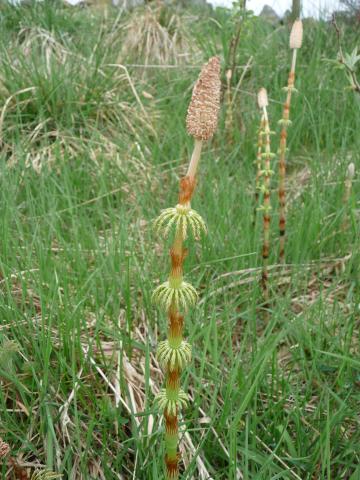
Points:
(175, 295)
(295, 42)
(266, 174)
(262, 98)
(296, 34)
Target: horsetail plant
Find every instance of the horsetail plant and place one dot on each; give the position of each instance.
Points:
(295, 43)
(176, 296)
(265, 173)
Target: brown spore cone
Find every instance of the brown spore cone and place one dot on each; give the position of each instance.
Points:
(203, 111)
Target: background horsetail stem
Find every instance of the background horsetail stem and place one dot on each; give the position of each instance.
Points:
(176, 295)
(229, 107)
(258, 162)
(295, 44)
(266, 175)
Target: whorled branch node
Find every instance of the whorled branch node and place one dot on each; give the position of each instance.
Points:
(290, 88)
(183, 295)
(183, 218)
(174, 356)
(169, 405)
(285, 122)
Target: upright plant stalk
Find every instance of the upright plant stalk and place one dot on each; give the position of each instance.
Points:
(175, 296)
(295, 44)
(266, 173)
(350, 173)
(236, 38)
(258, 162)
(229, 113)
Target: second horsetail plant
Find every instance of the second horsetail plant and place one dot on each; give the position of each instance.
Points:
(265, 173)
(176, 296)
(295, 43)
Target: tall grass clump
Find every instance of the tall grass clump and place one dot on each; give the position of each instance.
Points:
(175, 296)
(295, 43)
(57, 97)
(157, 35)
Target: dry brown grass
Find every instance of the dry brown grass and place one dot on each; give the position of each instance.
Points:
(157, 35)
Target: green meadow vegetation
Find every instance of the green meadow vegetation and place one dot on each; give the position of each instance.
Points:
(93, 142)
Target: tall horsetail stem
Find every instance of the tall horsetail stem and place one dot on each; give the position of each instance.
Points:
(229, 107)
(258, 163)
(265, 187)
(295, 43)
(175, 296)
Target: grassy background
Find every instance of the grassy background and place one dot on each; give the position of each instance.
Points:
(92, 146)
